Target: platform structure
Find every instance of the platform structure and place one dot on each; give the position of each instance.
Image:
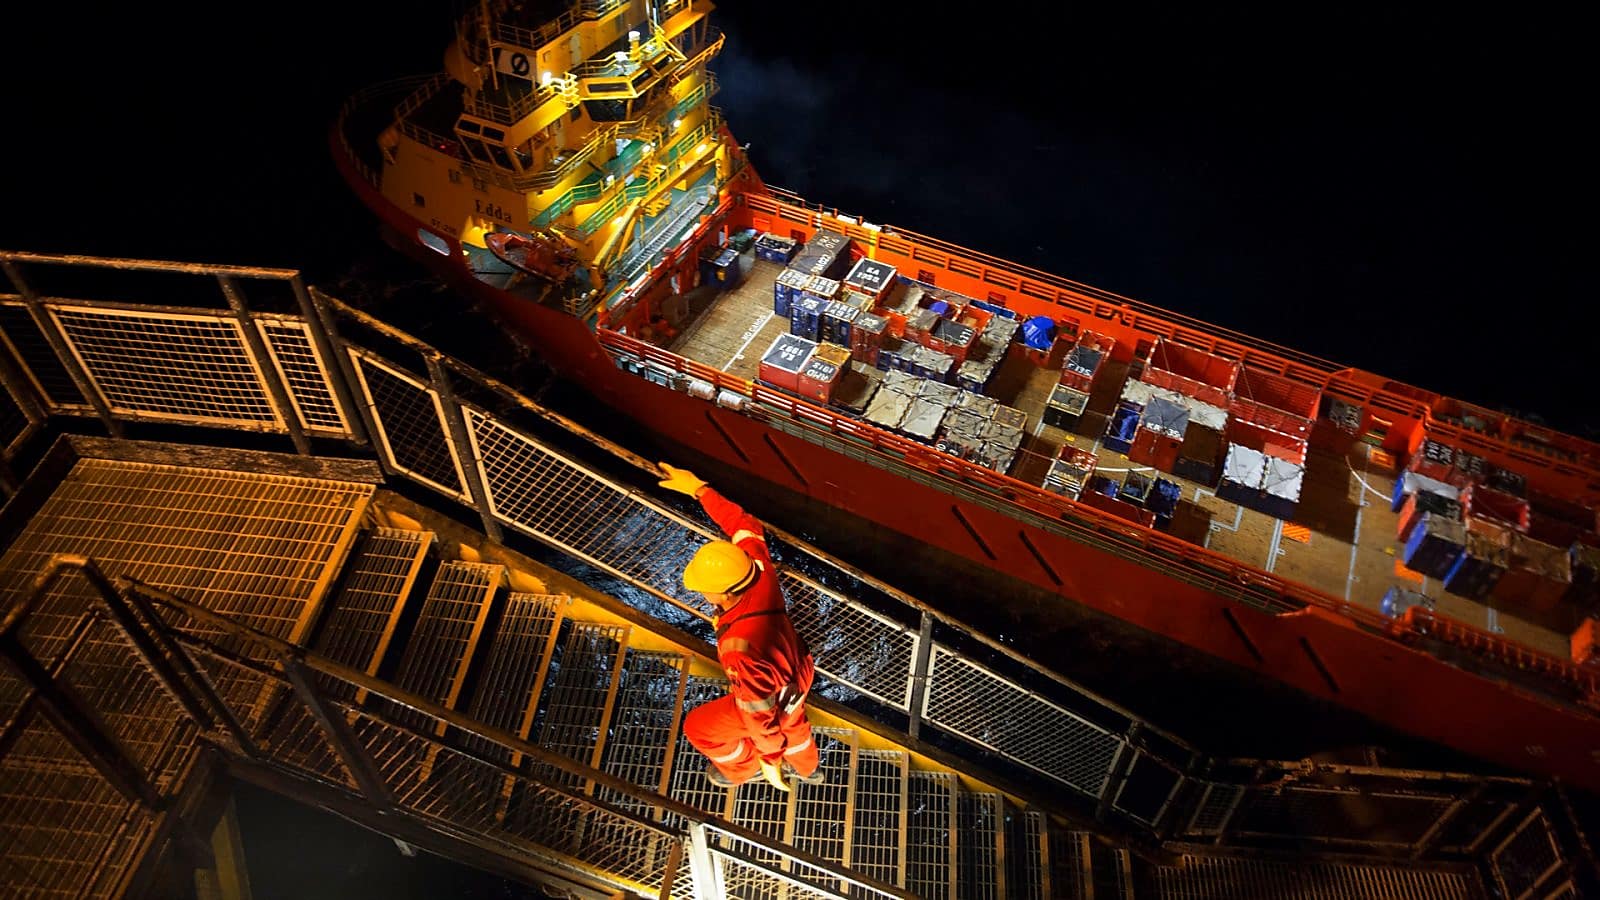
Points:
(316, 618)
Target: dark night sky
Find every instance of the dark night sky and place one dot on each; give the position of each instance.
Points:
(1367, 182)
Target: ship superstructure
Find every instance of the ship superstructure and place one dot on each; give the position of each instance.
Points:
(1324, 526)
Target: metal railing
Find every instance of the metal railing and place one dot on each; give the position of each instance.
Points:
(897, 656)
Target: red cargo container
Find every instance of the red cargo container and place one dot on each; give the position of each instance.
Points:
(1155, 449)
(1433, 459)
(1586, 643)
(1486, 502)
(1191, 372)
(1120, 508)
(1537, 578)
(781, 364)
(817, 379)
(1270, 441)
(1255, 387)
(1084, 361)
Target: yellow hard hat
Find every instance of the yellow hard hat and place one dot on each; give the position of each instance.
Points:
(718, 567)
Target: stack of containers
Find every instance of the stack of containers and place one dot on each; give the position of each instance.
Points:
(1537, 578)
(1436, 543)
(826, 254)
(1078, 370)
(805, 317)
(1200, 453)
(1069, 471)
(1421, 502)
(889, 403)
(790, 284)
(1161, 430)
(988, 353)
(1002, 438)
(773, 248)
(871, 278)
(784, 360)
(1484, 557)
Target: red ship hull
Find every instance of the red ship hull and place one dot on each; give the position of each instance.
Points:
(1317, 651)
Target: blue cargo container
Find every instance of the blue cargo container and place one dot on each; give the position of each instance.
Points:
(1120, 430)
(1436, 543)
(790, 284)
(837, 319)
(773, 248)
(720, 268)
(805, 318)
(1473, 577)
(1164, 498)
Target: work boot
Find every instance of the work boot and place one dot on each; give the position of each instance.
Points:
(715, 776)
(816, 776)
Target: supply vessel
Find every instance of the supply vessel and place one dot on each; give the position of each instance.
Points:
(1418, 559)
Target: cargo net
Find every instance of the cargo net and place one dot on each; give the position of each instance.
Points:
(306, 374)
(979, 705)
(170, 366)
(410, 424)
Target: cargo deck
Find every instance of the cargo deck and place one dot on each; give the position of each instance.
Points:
(1343, 538)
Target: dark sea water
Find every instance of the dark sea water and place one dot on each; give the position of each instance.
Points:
(1396, 189)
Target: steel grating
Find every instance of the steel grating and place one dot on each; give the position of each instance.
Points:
(519, 657)
(970, 700)
(750, 872)
(765, 810)
(537, 491)
(689, 783)
(878, 845)
(1205, 878)
(851, 644)
(1069, 864)
(169, 365)
(931, 830)
(645, 723)
(1027, 856)
(258, 548)
(66, 831)
(822, 811)
(578, 703)
(410, 425)
(305, 373)
(447, 632)
(1217, 803)
(1527, 857)
(361, 618)
(980, 845)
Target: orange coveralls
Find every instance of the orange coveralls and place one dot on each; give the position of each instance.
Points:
(768, 665)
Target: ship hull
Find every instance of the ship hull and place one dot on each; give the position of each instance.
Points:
(1314, 651)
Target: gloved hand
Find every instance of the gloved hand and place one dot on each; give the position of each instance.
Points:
(681, 480)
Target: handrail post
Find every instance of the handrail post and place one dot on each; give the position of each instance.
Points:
(350, 751)
(271, 378)
(81, 379)
(919, 675)
(707, 874)
(456, 425)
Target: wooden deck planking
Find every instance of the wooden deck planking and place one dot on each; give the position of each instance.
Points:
(732, 330)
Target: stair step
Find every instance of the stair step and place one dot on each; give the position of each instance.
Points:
(822, 811)
(645, 725)
(361, 618)
(448, 629)
(932, 828)
(981, 845)
(689, 784)
(1069, 872)
(581, 699)
(878, 847)
(1026, 853)
(519, 657)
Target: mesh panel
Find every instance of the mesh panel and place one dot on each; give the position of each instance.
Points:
(447, 632)
(931, 830)
(1206, 878)
(1528, 857)
(750, 872)
(977, 704)
(362, 616)
(1027, 857)
(1069, 864)
(1216, 804)
(34, 351)
(305, 373)
(166, 365)
(851, 644)
(645, 722)
(981, 818)
(581, 695)
(1344, 816)
(410, 425)
(14, 421)
(689, 783)
(877, 850)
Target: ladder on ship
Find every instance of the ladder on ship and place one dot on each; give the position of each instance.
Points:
(426, 694)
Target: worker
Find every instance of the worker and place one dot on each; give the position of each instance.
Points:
(760, 728)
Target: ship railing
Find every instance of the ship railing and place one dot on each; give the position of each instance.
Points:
(1418, 622)
(1382, 397)
(622, 191)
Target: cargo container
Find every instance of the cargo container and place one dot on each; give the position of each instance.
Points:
(826, 254)
(817, 379)
(805, 317)
(954, 338)
(983, 405)
(1263, 436)
(1163, 500)
(1190, 522)
(932, 364)
(1242, 472)
(888, 404)
(1488, 503)
(837, 320)
(1120, 508)
(1070, 471)
(855, 388)
(1433, 459)
(961, 432)
(790, 285)
(996, 456)
(1586, 643)
(1136, 487)
(1200, 454)
(1507, 481)
(1255, 388)
(1120, 430)
(1065, 407)
(1153, 448)
(1082, 363)
(832, 353)
(719, 267)
(1434, 546)
(866, 336)
(773, 248)
(1421, 503)
(1190, 371)
(785, 358)
(871, 277)
(1281, 483)
(825, 289)
(1483, 560)
(1537, 578)
(1410, 482)
(1397, 600)
(922, 418)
